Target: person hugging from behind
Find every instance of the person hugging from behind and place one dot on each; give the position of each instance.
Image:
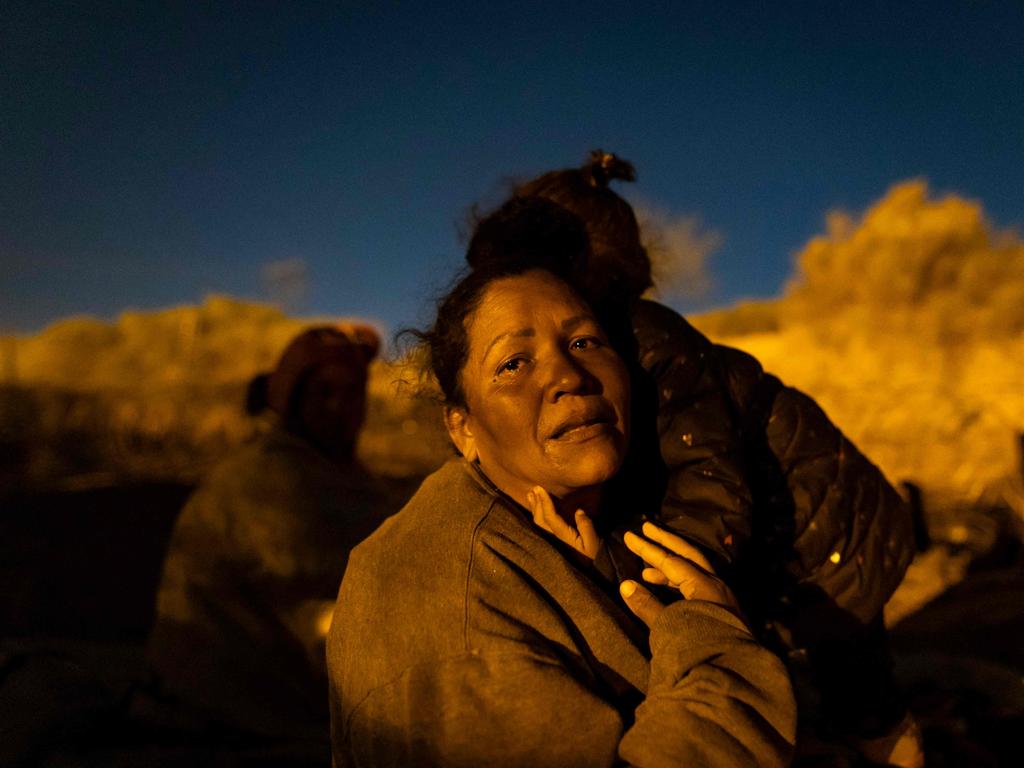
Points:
(258, 551)
(807, 531)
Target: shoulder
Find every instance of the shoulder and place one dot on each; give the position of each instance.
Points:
(657, 326)
(459, 568)
(415, 565)
(272, 461)
(455, 529)
(446, 508)
(403, 598)
(671, 351)
(749, 385)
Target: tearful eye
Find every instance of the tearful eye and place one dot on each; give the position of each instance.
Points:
(586, 342)
(511, 366)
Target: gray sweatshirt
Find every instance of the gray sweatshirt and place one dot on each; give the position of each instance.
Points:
(463, 635)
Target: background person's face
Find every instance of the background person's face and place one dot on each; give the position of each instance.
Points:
(547, 397)
(333, 406)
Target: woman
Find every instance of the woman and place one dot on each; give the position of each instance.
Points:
(474, 627)
(807, 530)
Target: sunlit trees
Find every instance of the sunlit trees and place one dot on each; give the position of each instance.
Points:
(907, 324)
(913, 265)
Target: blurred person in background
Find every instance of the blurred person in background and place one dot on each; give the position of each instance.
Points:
(257, 554)
(806, 530)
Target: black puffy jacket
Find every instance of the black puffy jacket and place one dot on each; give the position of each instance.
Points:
(752, 463)
(809, 533)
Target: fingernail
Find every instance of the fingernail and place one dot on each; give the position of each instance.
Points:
(580, 513)
(627, 588)
(530, 496)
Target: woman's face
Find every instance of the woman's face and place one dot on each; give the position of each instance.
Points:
(547, 398)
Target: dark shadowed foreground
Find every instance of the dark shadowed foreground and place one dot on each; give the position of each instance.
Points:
(76, 602)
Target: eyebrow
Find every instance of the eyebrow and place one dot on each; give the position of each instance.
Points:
(519, 333)
(576, 321)
(568, 324)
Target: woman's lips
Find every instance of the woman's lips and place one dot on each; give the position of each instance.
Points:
(576, 433)
(584, 432)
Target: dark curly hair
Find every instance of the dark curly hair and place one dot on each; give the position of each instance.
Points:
(525, 233)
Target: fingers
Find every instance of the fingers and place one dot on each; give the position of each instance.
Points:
(650, 553)
(583, 537)
(654, 576)
(545, 516)
(641, 602)
(677, 569)
(587, 533)
(677, 544)
(693, 581)
(543, 509)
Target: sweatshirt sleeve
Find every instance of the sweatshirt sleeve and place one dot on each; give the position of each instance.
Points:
(715, 698)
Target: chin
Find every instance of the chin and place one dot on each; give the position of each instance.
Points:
(594, 467)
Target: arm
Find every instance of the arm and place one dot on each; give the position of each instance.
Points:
(706, 495)
(853, 533)
(726, 699)
(715, 698)
(851, 538)
(823, 508)
(741, 695)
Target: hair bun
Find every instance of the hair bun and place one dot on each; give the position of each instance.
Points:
(529, 230)
(603, 167)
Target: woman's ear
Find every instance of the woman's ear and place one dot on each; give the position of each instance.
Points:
(457, 421)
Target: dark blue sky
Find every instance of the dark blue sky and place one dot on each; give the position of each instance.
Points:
(151, 153)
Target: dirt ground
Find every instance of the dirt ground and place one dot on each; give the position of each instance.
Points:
(80, 570)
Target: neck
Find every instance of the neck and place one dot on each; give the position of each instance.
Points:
(587, 499)
(566, 501)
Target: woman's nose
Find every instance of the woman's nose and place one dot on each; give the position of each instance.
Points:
(568, 377)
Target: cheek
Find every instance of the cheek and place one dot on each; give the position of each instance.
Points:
(505, 427)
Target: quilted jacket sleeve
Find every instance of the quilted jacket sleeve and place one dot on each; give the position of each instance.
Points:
(853, 532)
(748, 457)
(846, 540)
(706, 497)
(850, 532)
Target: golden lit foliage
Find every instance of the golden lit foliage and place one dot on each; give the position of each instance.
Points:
(934, 268)
(221, 341)
(744, 318)
(907, 325)
(161, 393)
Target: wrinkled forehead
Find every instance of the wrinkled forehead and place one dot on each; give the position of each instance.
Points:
(535, 300)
